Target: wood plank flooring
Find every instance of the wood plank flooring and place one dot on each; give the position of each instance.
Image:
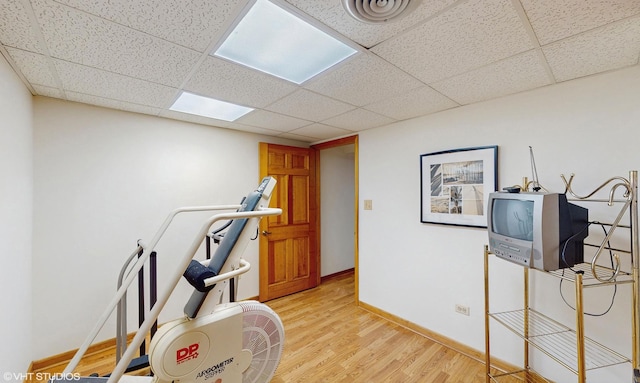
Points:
(330, 339)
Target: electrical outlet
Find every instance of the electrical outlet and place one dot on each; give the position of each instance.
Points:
(464, 310)
(368, 204)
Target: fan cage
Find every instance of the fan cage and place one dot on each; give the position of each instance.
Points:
(263, 335)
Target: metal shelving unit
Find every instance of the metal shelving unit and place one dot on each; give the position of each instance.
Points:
(569, 347)
(558, 341)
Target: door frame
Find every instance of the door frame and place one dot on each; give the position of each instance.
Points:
(328, 145)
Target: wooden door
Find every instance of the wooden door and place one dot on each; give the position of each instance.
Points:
(289, 258)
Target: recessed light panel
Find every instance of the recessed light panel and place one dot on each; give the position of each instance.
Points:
(272, 40)
(209, 107)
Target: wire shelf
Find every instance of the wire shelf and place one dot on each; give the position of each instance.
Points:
(588, 279)
(557, 340)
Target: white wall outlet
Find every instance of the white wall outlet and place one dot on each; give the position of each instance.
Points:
(464, 310)
(368, 204)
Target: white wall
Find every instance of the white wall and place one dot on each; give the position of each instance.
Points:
(337, 184)
(16, 209)
(103, 180)
(420, 271)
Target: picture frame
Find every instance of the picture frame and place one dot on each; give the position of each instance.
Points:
(455, 185)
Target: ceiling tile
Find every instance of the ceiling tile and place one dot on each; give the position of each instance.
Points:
(297, 137)
(309, 106)
(139, 55)
(473, 34)
(190, 23)
(363, 80)
(35, 67)
(48, 92)
(320, 131)
(333, 14)
(196, 119)
(358, 119)
(417, 102)
(15, 26)
(514, 74)
(111, 104)
(273, 121)
(82, 79)
(252, 129)
(225, 81)
(553, 20)
(78, 37)
(610, 47)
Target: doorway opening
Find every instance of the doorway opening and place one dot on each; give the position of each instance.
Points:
(338, 191)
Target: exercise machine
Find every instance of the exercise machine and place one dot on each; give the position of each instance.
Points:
(217, 340)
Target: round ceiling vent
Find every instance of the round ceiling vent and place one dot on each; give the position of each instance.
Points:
(379, 11)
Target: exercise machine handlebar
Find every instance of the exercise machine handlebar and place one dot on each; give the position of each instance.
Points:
(244, 267)
(164, 297)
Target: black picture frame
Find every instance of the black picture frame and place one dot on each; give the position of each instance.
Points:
(455, 185)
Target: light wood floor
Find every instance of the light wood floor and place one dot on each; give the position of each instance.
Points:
(329, 339)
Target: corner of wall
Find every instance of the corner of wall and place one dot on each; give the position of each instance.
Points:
(16, 222)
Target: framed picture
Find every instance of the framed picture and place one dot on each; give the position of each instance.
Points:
(455, 185)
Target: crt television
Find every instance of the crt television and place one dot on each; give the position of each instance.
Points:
(538, 230)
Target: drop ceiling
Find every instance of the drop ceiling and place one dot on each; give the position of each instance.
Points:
(140, 55)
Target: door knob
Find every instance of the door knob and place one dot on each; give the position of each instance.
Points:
(264, 232)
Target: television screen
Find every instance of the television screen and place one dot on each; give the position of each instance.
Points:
(513, 218)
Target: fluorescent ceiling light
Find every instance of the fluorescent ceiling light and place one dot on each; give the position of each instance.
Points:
(274, 41)
(209, 107)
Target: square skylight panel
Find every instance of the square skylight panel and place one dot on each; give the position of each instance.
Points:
(209, 107)
(272, 40)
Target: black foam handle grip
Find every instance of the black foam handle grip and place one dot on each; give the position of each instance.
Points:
(196, 274)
